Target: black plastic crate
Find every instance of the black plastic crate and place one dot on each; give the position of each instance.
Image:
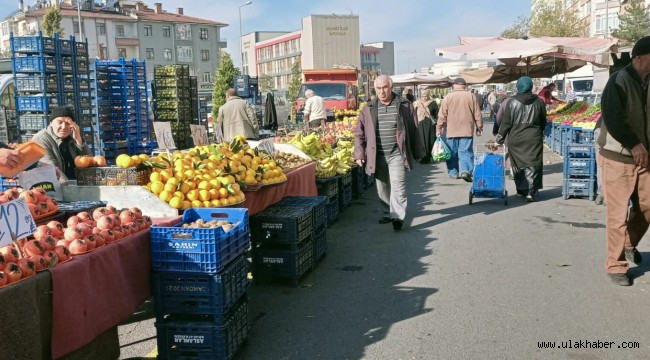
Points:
(283, 261)
(282, 224)
(345, 179)
(345, 198)
(317, 204)
(112, 176)
(332, 209)
(328, 187)
(178, 338)
(199, 293)
(358, 184)
(320, 244)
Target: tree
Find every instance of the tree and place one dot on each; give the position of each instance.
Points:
(222, 82)
(551, 18)
(294, 85)
(52, 22)
(266, 83)
(519, 29)
(634, 24)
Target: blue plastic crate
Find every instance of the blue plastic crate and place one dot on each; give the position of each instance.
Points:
(8, 183)
(579, 166)
(200, 250)
(281, 224)
(316, 203)
(36, 84)
(33, 44)
(579, 151)
(283, 261)
(320, 244)
(182, 339)
(328, 187)
(32, 103)
(197, 293)
(578, 187)
(32, 64)
(584, 136)
(33, 122)
(65, 47)
(489, 175)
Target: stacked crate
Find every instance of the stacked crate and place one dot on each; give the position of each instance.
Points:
(358, 184)
(172, 101)
(200, 284)
(317, 204)
(345, 191)
(120, 95)
(329, 188)
(83, 107)
(579, 171)
(194, 100)
(283, 242)
(47, 73)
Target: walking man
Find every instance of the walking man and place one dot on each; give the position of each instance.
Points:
(460, 114)
(624, 141)
(315, 115)
(386, 141)
(236, 117)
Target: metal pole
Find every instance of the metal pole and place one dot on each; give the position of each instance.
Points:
(241, 53)
(606, 19)
(81, 32)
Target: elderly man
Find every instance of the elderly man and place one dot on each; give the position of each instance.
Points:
(314, 112)
(236, 117)
(62, 142)
(386, 141)
(460, 114)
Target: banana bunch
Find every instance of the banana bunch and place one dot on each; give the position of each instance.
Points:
(345, 152)
(310, 144)
(327, 167)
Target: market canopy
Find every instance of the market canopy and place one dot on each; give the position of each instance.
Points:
(411, 79)
(513, 51)
(505, 73)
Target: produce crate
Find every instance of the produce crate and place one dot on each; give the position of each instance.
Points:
(182, 339)
(332, 209)
(32, 103)
(320, 245)
(317, 205)
(197, 293)
(36, 84)
(345, 179)
(579, 166)
(369, 180)
(283, 261)
(33, 122)
(345, 198)
(579, 188)
(82, 48)
(579, 150)
(200, 250)
(328, 187)
(280, 224)
(28, 64)
(112, 176)
(8, 183)
(357, 181)
(33, 44)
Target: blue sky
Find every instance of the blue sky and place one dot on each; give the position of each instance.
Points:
(416, 27)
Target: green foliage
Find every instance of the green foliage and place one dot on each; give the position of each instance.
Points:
(266, 83)
(519, 29)
(52, 22)
(294, 85)
(634, 24)
(550, 18)
(222, 82)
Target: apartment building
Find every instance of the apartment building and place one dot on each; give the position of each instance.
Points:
(130, 29)
(379, 56)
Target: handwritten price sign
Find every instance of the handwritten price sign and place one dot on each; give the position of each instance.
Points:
(164, 136)
(15, 218)
(199, 134)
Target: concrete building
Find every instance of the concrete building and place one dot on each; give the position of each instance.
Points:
(379, 56)
(131, 29)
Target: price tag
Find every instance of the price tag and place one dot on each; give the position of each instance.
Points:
(266, 145)
(199, 134)
(164, 135)
(15, 218)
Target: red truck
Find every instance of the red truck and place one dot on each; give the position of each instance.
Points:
(338, 87)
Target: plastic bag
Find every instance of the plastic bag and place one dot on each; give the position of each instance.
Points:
(44, 177)
(440, 150)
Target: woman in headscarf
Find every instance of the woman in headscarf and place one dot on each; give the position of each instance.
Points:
(426, 111)
(523, 122)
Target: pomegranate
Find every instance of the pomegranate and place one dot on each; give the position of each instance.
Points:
(51, 257)
(57, 228)
(99, 212)
(99, 239)
(3, 279)
(42, 205)
(85, 216)
(62, 242)
(12, 193)
(43, 231)
(33, 247)
(137, 212)
(78, 246)
(34, 210)
(29, 196)
(147, 220)
(116, 220)
(108, 235)
(73, 221)
(3, 262)
(40, 194)
(86, 228)
(62, 253)
(141, 224)
(48, 242)
(91, 243)
(10, 253)
(96, 230)
(27, 267)
(73, 233)
(118, 232)
(52, 204)
(111, 209)
(40, 263)
(105, 222)
(127, 217)
(126, 229)
(134, 227)
(13, 272)
(4, 199)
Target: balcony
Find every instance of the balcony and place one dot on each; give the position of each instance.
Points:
(222, 43)
(125, 41)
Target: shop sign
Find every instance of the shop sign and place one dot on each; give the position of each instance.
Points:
(199, 134)
(164, 137)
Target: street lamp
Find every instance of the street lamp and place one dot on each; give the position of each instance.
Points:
(241, 54)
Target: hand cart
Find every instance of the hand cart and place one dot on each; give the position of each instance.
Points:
(489, 179)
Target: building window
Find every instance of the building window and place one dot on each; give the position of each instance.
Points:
(167, 54)
(104, 51)
(167, 31)
(205, 55)
(207, 77)
(119, 30)
(150, 54)
(204, 34)
(75, 26)
(101, 29)
(121, 52)
(147, 30)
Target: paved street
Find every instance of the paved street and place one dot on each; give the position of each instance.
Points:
(482, 281)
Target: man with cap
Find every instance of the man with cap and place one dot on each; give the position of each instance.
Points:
(523, 123)
(62, 142)
(460, 114)
(624, 141)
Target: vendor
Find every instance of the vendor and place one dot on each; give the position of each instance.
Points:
(546, 94)
(62, 142)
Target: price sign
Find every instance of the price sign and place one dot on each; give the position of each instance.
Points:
(164, 136)
(266, 145)
(15, 218)
(199, 134)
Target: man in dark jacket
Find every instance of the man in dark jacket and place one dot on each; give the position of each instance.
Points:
(386, 141)
(624, 141)
(523, 123)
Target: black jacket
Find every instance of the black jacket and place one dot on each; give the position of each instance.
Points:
(523, 122)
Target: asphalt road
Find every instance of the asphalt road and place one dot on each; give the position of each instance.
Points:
(481, 281)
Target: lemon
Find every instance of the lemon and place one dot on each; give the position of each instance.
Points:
(155, 177)
(157, 187)
(169, 187)
(165, 196)
(197, 203)
(136, 160)
(124, 161)
(176, 202)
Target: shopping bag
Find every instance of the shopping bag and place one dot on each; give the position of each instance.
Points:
(440, 150)
(43, 177)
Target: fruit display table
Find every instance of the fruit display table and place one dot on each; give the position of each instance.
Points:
(300, 182)
(63, 309)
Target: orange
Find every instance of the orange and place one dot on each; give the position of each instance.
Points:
(124, 161)
(207, 204)
(204, 185)
(155, 177)
(165, 195)
(197, 204)
(176, 202)
(223, 193)
(169, 187)
(216, 203)
(157, 187)
(192, 195)
(186, 204)
(215, 184)
(214, 194)
(224, 202)
(204, 195)
(179, 194)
